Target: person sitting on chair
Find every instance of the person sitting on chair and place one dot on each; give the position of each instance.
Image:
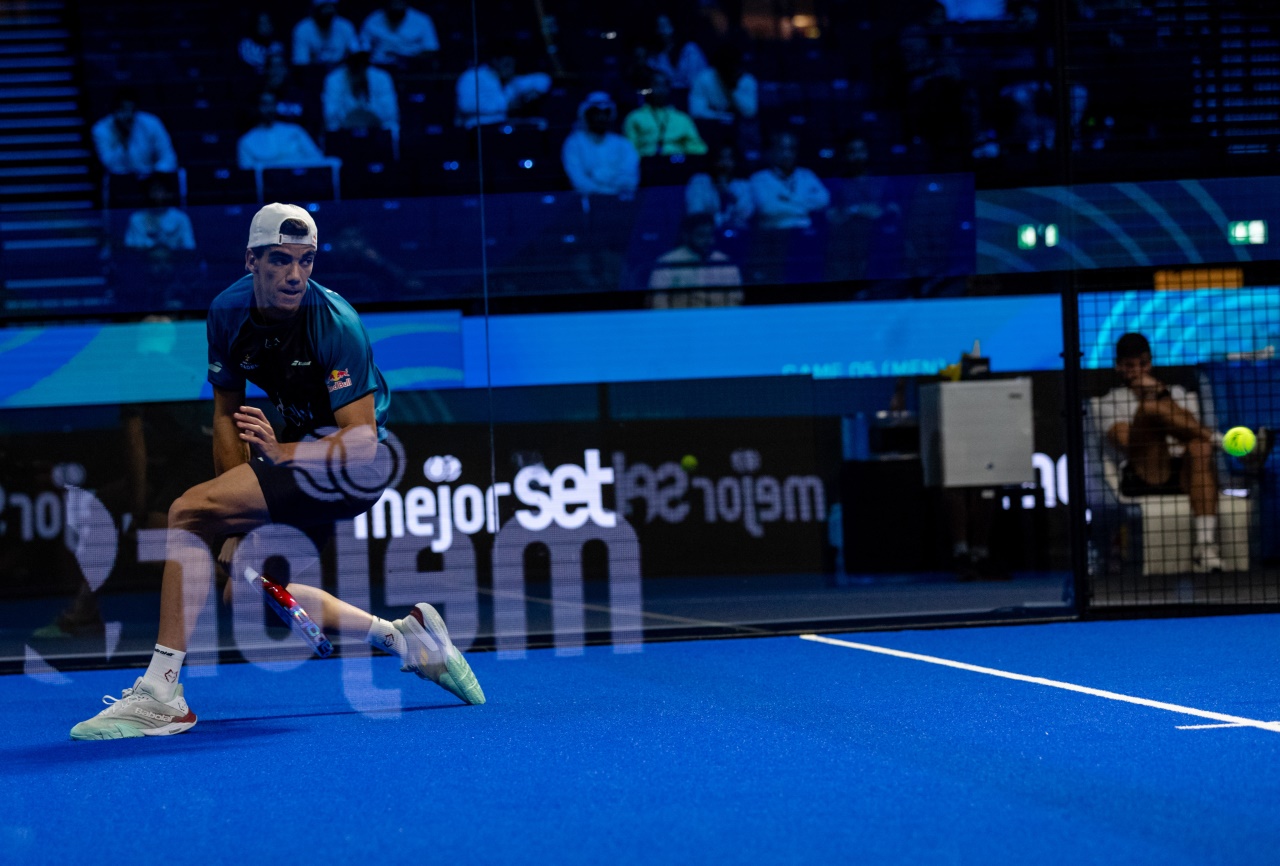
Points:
(1166, 449)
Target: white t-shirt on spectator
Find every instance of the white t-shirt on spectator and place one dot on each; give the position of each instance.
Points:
(147, 150)
(707, 99)
(682, 269)
(687, 67)
(483, 98)
(1121, 404)
(312, 46)
(280, 145)
(339, 100)
(604, 166)
(415, 35)
(169, 228)
(785, 203)
(702, 196)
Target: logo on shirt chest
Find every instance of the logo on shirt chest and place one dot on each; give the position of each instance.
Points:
(301, 364)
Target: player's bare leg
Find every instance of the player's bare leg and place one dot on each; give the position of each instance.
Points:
(231, 503)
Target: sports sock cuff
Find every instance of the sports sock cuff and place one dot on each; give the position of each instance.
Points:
(163, 672)
(386, 637)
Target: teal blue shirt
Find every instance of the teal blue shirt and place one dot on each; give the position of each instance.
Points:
(309, 365)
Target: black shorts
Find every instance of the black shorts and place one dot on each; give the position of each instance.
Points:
(1131, 484)
(296, 499)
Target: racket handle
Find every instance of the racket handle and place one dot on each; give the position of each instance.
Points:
(293, 614)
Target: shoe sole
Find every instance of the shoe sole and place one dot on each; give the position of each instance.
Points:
(458, 678)
(122, 731)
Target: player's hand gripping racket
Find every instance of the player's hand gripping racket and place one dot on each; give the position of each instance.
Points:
(291, 612)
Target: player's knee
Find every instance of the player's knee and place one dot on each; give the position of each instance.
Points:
(188, 511)
(1200, 450)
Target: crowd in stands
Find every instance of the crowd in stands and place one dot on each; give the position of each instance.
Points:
(770, 128)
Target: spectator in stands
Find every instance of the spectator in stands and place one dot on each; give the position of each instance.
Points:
(864, 221)
(397, 34)
(724, 91)
(291, 99)
(597, 160)
(260, 45)
(785, 194)
(360, 96)
(659, 129)
(275, 144)
(161, 224)
(696, 262)
(130, 141)
(324, 37)
(721, 192)
(490, 94)
(681, 64)
(940, 107)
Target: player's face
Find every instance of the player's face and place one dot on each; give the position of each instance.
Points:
(1132, 370)
(280, 278)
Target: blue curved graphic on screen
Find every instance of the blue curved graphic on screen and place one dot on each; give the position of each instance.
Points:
(1184, 328)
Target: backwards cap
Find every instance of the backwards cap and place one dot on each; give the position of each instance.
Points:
(265, 231)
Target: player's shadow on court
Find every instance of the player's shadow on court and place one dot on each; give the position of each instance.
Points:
(378, 714)
(207, 736)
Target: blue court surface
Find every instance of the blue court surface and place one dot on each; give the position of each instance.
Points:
(770, 750)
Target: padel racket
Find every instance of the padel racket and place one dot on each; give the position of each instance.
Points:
(291, 612)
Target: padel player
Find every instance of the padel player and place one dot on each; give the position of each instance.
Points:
(306, 348)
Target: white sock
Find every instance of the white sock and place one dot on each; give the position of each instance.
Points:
(386, 637)
(162, 673)
(1206, 528)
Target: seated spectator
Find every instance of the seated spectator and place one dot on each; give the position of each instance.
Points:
(360, 96)
(865, 222)
(785, 194)
(398, 33)
(262, 44)
(161, 224)
(291, 99)
(659, 129)
(695, 263)
(723, 91)
(681, 64)
(1163, 447)
(940, 108)
(274, 144)
(324, 37)
(130, 141)
(489, 94)
(721, 193)
(597, 159)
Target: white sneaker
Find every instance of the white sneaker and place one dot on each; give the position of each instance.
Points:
(137, 713)
(1205, 559)
(432, 656)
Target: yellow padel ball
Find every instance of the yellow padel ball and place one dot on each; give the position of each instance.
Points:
(1238, 441)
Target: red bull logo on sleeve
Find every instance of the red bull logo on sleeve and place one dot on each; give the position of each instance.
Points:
(338, 379)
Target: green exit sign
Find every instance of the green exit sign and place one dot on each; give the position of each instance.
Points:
(1031, 235)
(1247, 232)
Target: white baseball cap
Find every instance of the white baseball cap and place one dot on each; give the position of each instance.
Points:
(264, 231)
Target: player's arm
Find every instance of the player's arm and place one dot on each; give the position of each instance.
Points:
(229, 450)
(357, 434)
(1118, 434)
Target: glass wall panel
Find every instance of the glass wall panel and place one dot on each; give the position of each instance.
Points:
(717, 318)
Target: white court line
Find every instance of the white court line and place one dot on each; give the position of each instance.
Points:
(1210, 727)
(1232, 721)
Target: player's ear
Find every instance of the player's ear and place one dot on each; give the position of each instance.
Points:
(250, 261)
